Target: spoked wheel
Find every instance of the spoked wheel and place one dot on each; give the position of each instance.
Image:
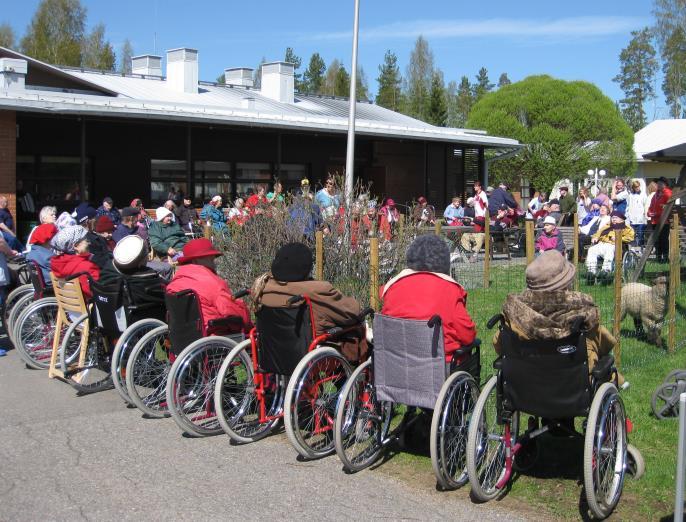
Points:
(311, 398)
(34, 331)
(122, 350)
(236, 401)
(449, 426)
(191, 383)
(635, 465)
(13, 298)
(665, 400)
(630, 262)
(147, 370)
(486, 445)
(94, 374)
(605, 449)
(362, 422)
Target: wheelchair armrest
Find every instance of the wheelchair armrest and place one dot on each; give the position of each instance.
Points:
(469, 348)
(364, 313)
(498, 364)
(241, 293)
(577, 325)
(183, 292)
(603, 367)
(435, 320)
(491, 322)
(232, 320)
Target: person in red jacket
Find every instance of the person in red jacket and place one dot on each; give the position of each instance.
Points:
(72, 242)
(197, 271)
(657, 206)
(425, 289)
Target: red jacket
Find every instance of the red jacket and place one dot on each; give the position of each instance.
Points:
(421, 295)
(215, 296)
(657, 205)
(65, 265)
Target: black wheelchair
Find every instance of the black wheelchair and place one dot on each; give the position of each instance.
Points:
(548, 380)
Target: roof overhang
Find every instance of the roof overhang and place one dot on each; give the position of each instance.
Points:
(675, 154)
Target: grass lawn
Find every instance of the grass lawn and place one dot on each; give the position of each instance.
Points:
(554, 484)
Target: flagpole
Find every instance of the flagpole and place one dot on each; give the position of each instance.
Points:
(350, 156)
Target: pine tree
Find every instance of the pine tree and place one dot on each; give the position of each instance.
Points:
(125, 57)
(483, 85)
(291, 57)
(221, 79)
(437, 110)
(342, 82)
(452, 119)
(389, 81)
(7, 38)
(361, 85)
(465, 101)
(96, 52)
(329, 85)
(313, 78)
(503, 80)
(674, 72)
(56, 32)
(637, 72)
(419, 76)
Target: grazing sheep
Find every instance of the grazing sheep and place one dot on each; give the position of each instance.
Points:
(647, 305)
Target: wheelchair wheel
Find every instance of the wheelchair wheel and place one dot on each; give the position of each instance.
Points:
(449, 426)
(122, 351)
(95, 374)
(362, 422)
(635, 465)
(147, 369)
(34, 331)
(236, 402)
(486, 457)
(21, 303)
(630, 262)
(191, 383)
(311, 397)
(13, 298)
(605, 449)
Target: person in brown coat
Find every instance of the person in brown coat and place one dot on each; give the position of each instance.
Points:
(290, 276)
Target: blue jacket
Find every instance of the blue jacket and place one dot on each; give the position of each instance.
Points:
(498, 198)
(122, 231)
(304, 217)
(210, 212)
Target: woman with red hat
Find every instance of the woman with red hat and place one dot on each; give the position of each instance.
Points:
(40, 252)
(423, 213)
(101, 244)
(197, 271)
(388, 217)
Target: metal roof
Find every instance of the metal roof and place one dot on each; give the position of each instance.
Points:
(150, 97)
(659, 135)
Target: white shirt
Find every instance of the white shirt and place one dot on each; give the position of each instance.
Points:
(480, 204)
(636, 208)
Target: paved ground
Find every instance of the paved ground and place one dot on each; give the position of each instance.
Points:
(64, 457)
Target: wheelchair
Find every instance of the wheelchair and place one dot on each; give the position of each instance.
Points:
(284, 370)
(548, 380)
(408, 367)
(631, 257)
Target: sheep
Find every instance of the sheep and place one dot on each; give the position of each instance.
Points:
(647, 305)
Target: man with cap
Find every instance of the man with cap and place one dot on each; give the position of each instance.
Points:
(107, 209)
(603, 244)
(425, 289)
(101, 243)
(567, 201)
(41, 253)
(166, 236)
(74, 257)
(128, 225)
(197, 271)
(185, 214)
(550, 237)
(548, 308)
(423, 213)
(83, 214)
(291, 275)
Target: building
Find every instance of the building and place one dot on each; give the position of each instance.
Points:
(656, 136)
(68, 134)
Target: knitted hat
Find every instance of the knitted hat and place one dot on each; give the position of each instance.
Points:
(83, 213)
(550, 271)
(43, 233)
(130, 252)
(67, 238)
(162, 213)
(429, 253)
(293, 262)
(619, 214)
(549, 220)
(104, 224)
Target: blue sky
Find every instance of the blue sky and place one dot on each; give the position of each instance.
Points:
(570, 40)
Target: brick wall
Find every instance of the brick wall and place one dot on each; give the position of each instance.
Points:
(8, 158)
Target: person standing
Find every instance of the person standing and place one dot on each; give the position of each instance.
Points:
(583, 203)
(619, 196)
(257, 202)
(276, 195)
(423, 213)
(480, 201)
(499, 197)
(567, 201)
(327, 199)
(636, 211)
(657, 206)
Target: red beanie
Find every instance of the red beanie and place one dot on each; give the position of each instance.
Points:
(104, 224)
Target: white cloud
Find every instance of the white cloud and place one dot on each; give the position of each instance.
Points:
(576, 27)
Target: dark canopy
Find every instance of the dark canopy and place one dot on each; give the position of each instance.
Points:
(676, 154)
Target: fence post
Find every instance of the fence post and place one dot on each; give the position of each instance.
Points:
(401, 224)
(529, 230)
(575, 246)
(437, 228)
(679, 497)
(207, 231)
(674, 268)
(319, 255)
(617, 322)
(487, 250)
(374, 273)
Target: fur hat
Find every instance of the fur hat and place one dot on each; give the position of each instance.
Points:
(429, 253)
(293, 262)
(162, 213)
(67, 238)
(550, 271)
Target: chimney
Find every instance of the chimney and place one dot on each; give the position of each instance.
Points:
(277, 81)
(240, 76)
(147, 65)
(12, 74)
(182, 70)
(248, 103)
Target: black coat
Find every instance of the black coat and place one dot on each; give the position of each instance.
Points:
(498, 198)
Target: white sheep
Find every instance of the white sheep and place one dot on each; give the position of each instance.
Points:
(647, 305)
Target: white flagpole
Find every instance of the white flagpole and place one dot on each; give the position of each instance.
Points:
(350, 156)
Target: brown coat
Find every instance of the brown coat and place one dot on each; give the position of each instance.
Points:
(330, 307)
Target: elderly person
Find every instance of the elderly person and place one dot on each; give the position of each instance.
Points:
(423, 213)
(84, 215)
(213, 213)
(144, 221)
(548, 308)
(604, 244)
(166, 237)
(454, 211)
(7, 226)
(567, 202)
(107, 209)
(291, 275)
(501, 197)
(425, 289)
(550, 237)
(100, 241)
(64, 220)
(197, 271)
(636, 211)
(47, 214)
(73, 257)
(238, 214)
(128, 225)
(655, 210)
(185, 214)
(41, 253)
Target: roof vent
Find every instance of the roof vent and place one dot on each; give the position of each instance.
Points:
(147, 65)
(240, 76)
(182, 70)
(12, 74)
(277, 81)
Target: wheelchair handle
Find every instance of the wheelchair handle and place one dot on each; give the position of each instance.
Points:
(491, 322)
(187, 291)
(577, 325)
(364, 313)
(435, 320)
(241, 293)
(333, 332)
(295, 299)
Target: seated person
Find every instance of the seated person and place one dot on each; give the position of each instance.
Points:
(425, 289)
(41, 253)
(290, 276)
(197, 271)
(599, 220)
(74, 257)
(552, 209)
(548, 308)
(550, 237)
(604, 243)
(101, 244)
(473, 241)
(166, 237)
(128, 225)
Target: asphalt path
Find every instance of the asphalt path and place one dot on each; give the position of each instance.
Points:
(69, 457)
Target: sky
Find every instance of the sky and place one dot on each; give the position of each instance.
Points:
(578, 40)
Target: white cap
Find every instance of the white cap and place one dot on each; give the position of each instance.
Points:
(161, 213)
(470, 201)
(549, 220)
(130, 252)
(216, 198)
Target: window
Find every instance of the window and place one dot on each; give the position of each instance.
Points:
(167, 179)
(51, 180)
(291, 174)
(211, 178)
(250, 174)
